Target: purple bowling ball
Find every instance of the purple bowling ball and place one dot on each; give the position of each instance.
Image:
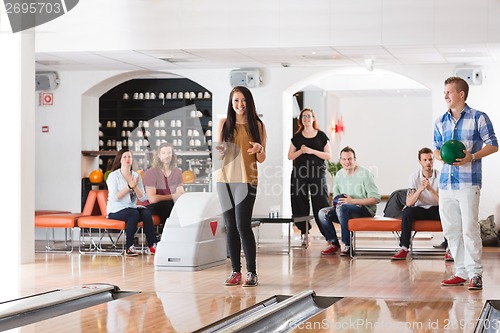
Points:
(336, 199)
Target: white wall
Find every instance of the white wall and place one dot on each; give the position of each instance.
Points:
(385, 132)
(58, 155)
(184, 24)
(316, 100)
(480, 97)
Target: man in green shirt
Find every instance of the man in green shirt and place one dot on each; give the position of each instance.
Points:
(361, 199)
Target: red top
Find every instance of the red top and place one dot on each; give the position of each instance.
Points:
(164, 185)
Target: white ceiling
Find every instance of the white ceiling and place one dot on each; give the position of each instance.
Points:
(269, 57)
(362, 56)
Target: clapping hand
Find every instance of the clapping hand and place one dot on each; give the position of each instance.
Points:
(134, 182)
(221, 149)
(304, 149)
(425, 184)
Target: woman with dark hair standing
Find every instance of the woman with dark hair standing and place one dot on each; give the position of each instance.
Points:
(163, 182)
(242, 143)
(308, 150)
(124, 188)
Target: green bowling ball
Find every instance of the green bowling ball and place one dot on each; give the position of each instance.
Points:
(451, 150)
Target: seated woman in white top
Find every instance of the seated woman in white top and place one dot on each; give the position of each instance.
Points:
(124, 188)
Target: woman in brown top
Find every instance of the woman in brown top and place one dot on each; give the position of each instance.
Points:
(242, 139)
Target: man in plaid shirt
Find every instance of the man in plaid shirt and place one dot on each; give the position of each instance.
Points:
(460, 183)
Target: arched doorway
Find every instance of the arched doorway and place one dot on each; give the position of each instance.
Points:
(386, 118)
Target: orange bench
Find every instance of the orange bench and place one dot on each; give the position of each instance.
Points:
(50, 212)
(104, 226)
(388, 224)
(52, 219)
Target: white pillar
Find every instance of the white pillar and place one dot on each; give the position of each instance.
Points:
(17, 96)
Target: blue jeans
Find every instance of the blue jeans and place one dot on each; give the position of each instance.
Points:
(133, 216)
(341, 215)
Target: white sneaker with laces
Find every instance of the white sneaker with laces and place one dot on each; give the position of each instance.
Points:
(131, 251)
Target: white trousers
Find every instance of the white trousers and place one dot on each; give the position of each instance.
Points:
(459, 211)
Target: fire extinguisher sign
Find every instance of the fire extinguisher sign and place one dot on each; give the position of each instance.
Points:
(46, 99)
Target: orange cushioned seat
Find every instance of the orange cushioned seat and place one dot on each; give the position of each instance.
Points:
(391, 224)
(427, 225)
(374, 224)
(388, 224)
(61, 220)
(57, 220)
(105, 225)
(50, 212)
(100, 222)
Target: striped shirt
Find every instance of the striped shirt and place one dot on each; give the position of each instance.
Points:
(473, 129)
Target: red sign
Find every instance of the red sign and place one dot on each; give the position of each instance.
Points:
(46, 99)
(213, 226)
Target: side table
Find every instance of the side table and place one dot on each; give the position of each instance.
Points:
(285, 219)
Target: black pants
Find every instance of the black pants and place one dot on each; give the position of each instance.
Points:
(303, 187)
(162, 209)
(237, 201)
(411, 214)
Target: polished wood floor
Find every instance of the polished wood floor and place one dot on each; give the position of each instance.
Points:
(378, 295)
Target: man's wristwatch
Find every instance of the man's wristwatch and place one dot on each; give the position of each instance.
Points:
(473, 158)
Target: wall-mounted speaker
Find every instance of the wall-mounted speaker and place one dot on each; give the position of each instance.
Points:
(472, 75)
(250, 78)
(46, 81)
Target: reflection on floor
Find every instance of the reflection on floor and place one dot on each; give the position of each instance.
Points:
(378, 295)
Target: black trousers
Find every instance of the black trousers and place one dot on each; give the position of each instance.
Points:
(307, 185)
(237, 201)
(162, 209)
(411, 214)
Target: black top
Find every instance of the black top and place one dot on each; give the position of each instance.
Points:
(317, 143)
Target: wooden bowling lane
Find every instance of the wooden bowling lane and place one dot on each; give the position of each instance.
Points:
(395, 315)
(147, 312)
(153, 312)
(373, 290)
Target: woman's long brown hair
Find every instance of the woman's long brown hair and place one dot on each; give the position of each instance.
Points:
(253, 120)
(301, 125)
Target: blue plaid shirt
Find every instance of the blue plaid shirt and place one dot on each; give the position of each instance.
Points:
(473, 129)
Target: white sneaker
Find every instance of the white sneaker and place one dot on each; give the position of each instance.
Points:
(346, 251)
(131, 252)
(303, 240)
